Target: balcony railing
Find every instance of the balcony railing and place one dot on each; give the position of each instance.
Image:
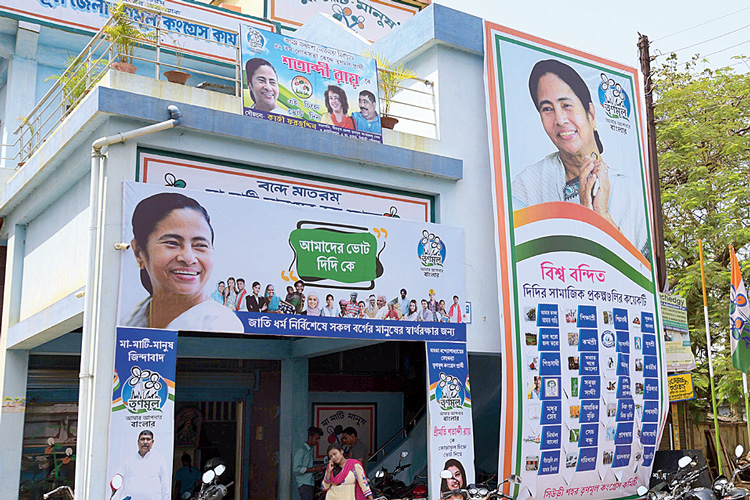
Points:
(162, 49)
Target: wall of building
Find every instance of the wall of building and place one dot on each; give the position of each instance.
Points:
(56, 253)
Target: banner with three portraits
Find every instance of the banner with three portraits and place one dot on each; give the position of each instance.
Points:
(584, 391)
(303, 84)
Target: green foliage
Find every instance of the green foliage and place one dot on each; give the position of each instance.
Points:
(124, 33)
(390, 77)
(702, 127)
(75, 77)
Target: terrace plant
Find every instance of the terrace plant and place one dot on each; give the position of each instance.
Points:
(390, 77)
(125, 35)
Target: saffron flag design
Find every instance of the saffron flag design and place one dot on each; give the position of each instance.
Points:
(739, 311)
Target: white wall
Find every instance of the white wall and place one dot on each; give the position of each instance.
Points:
(56, 256)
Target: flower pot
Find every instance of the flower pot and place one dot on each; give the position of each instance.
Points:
(124, 67)
(388, 122)
(177, 76)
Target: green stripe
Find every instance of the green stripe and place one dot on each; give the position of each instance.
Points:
(548, 244)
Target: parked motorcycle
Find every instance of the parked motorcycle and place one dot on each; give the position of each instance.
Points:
(724, 489)
(679, 485)
(211, 489)
(386, 484)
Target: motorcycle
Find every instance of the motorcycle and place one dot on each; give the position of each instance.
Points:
(386, 484)
(680, 485)
(478, 491)
(724, 489)
(115, 484)
(210, 487)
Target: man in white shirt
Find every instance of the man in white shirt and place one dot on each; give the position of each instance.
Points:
(382, 307)
(145, 475)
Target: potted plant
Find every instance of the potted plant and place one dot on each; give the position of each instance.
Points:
(390, 77)
(177, 75)
(76, 79)
(124, 35)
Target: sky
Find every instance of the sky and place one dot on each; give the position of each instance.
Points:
(610, 29)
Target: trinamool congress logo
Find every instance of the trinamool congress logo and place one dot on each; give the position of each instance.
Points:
(613, 98)
(144, 391)
(431, 250)
(449, 392)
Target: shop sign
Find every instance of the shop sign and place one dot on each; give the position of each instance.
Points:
(369, 18)
(164, 170)
(141, 426)
(676, 333)
(212, 32)
(170, 277)
(585, 392)
(450, 431)
(681, 387)
(306, 85)
(333, 418)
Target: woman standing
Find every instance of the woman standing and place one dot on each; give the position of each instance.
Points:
(412, 314)
(313, 308)
(272, 299)
(345, 478)
(230, 294)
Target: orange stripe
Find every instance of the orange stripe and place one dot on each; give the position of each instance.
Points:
(567, 210)
(563, 48)
(503, 245)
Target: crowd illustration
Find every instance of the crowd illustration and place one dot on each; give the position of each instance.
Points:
(235, 295)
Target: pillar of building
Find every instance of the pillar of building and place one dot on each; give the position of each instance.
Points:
(20, 97)
(14, 368)
(99, 318)
(295, 419)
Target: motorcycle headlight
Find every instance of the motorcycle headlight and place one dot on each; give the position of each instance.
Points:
(473, 492)
(720, 485)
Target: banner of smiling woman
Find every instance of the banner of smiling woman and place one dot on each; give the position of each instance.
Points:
(585, 386)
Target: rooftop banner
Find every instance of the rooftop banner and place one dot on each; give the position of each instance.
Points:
(209, 262)
(586, 388)
(299, 83)
(211, 31)
(371, 19)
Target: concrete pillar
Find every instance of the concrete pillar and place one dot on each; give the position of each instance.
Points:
(14, 367)
(295, 419)
(20, 97)
(99, 330)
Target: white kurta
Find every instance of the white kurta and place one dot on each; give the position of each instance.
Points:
(544, 181)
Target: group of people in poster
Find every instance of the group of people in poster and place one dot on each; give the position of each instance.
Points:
(235, 295)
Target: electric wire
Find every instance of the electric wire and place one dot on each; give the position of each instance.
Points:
(699, 25)
(702, 42)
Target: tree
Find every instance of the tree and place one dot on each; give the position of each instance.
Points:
(703, 140)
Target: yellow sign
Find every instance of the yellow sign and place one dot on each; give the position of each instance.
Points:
(681, 387)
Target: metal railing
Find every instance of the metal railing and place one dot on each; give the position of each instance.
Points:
(402, 433)
(161, 48)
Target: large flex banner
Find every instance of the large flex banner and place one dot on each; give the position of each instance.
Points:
(210, 262)
(585, 385)
(210, 32)
(299, 83)
(450, 430)
(141, 429)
